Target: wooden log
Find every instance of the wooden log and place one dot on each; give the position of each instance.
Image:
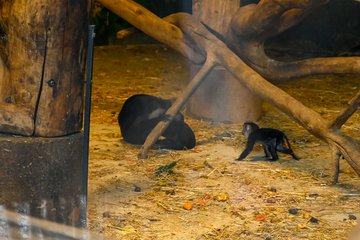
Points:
(42, 63)
(59, 109)
(25, 51)
(147, 22)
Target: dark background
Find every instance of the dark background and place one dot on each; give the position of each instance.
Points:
(333, 29)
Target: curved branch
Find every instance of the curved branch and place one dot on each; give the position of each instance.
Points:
(252, 25)
(348, 147)
(281, 71)
(153, 26)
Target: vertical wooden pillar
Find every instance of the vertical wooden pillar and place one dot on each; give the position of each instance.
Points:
(42, 56)
(42, 64)
(59, 107)
(221, 97)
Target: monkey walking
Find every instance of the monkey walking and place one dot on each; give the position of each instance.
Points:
(272, 140)
(141, 113)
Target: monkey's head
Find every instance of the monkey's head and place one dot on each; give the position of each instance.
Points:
(248, 128)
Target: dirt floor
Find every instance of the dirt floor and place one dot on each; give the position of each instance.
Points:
(251, 199)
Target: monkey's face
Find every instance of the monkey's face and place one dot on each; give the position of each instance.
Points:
(247, 129)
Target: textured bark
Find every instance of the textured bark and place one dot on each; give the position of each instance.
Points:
(59, 110)
(42, 49)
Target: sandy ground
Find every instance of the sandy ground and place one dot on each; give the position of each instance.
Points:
(250, 199)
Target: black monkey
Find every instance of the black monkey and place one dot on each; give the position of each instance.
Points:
(272, 140)
(141, 113)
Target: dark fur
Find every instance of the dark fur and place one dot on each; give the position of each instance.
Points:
(272, 140)
(141, 113)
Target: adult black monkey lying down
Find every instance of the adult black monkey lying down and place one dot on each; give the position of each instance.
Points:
(272, 140)
(141, 113)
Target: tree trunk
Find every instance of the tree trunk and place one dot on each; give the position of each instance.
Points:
(221, 97)
(42, 66)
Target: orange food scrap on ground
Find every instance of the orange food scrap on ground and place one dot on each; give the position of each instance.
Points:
(188, 206)
(261, 217)
(207, 196)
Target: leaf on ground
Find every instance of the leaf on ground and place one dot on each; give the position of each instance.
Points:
(167, 169)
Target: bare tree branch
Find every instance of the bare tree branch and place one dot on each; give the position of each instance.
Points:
(336, 154)
(252, 25)
(154, 26)
(346, 112)
(281, 71)
(178, 105)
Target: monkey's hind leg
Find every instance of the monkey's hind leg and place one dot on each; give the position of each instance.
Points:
(289, 150)
(266, 150)
(273, 153)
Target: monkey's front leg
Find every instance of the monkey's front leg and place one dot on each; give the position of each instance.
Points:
(248, 149)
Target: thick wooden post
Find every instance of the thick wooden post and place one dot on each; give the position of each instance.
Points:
(42, 63)
(59, 105)
(221, 97)
(42, 50)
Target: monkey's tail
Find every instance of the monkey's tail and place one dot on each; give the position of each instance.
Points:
(287, 142)
(291, 152)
